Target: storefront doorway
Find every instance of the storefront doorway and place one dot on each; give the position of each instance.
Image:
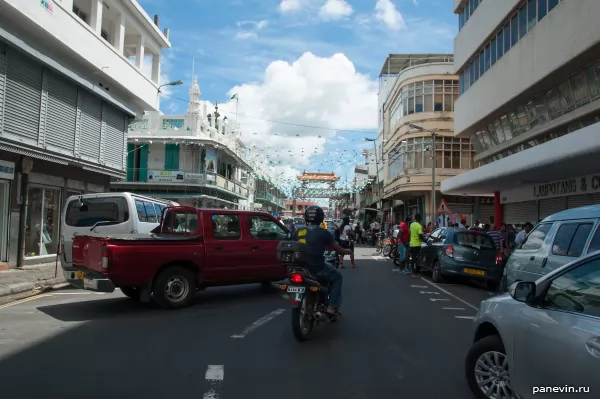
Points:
(4, 218)
(43, 221)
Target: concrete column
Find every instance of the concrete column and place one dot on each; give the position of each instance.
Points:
(156, 68)
(119, 33)
(139, 52)
(498, 214)
(96, 17)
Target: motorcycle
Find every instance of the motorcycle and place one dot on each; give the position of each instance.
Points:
(307, 295)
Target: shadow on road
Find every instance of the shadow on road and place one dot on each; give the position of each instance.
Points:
(111, 308)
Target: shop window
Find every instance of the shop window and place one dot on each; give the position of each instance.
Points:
(42, 222)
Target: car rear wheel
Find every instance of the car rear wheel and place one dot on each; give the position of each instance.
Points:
(175, 288)
(436, 274)
(131, 292)
(487, 370)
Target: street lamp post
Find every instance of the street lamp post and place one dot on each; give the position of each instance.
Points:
(377, 174)
(433, 166)
(173, 83)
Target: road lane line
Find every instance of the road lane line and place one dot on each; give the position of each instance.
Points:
(258, 323)
(215, 374)
(72, 293)
(419, 286)
(451, 294)
(31, 298)
(465, 317)
(438, 299)
(454, 308)
(429, 292)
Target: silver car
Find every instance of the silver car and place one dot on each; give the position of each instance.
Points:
(541, 337)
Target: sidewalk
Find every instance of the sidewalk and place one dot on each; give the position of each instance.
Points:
(33, 279)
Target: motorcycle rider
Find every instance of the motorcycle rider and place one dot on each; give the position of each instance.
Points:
(316, 240)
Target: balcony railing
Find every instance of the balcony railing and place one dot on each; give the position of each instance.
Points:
(137, 176)
(262, 195)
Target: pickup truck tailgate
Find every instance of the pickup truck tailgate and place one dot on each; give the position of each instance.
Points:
(88, 252)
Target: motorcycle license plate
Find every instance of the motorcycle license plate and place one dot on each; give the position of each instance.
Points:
(296, 290)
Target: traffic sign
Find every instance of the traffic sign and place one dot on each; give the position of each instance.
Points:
(443, 208)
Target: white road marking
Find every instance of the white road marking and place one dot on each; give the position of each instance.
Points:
(73, 293)
(440, 299)
(258, 323)
(429, 292)
(214, 375)
(464, 317)
(8, 305)
(449, 293)
(454, 308)
(380, 258)
(419, 286)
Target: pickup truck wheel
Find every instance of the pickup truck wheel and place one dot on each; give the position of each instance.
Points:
(131, 292)
(175, 288)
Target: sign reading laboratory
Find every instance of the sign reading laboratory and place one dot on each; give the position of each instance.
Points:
(589, 184)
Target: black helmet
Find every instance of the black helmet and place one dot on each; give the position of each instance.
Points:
(314, 215)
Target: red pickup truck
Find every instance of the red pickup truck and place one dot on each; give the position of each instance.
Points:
(190, 250)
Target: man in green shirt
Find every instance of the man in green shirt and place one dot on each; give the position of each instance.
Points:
(416, 238)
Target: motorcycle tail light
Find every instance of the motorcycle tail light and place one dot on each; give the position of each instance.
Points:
(296, 278)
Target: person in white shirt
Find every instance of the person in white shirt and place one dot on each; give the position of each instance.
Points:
(375, 226)
(523, 233)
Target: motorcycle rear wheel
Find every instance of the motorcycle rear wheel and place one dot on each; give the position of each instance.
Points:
(302, 325)
(387, 248)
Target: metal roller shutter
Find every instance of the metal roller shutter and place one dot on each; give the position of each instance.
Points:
(485, 213)
(464, 209)
(521, 212)
(583, 200)
(551, 206)
(113, 137)
(2, 81)
(91, 125)
(61, 114)
(23, 96)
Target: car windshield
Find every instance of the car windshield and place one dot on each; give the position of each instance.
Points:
(474, 239)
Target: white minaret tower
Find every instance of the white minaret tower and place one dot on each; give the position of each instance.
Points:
(194, 111)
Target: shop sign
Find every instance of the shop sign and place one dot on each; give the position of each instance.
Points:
(197, 178)
(165, 176)
(7, 170)
(47, 5)
(589, 184)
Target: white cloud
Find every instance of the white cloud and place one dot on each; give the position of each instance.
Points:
(289, 6)
(262, 24)
(415, 2)
(251, 33)
(312, 91)
(387, 12)
(333, 10)
(243, 35)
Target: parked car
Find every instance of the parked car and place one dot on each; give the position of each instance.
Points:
(191, 249)
(106, 213)
(452, 251)
(554, 242)
(541, 337)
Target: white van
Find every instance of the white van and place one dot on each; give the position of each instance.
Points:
(117, 213)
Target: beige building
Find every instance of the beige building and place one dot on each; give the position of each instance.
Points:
(420, 91)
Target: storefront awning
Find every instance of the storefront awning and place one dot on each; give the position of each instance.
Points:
(574, 154)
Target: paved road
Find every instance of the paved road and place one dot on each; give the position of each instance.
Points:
(400, 337)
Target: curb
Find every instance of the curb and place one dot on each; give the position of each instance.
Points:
(35, 288)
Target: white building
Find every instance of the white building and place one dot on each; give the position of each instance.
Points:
(72, 76)
(530, 91)
(196, 159)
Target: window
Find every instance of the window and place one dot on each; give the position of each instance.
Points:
(552, 4)
(141, 211)
(514, 30)
(493, 49)
(94, 210)
(595, 244)
(571, 238)
(178, 222)
(226, 227)
(500, 44)
(474, 240)
(542, 8)
(536, 238)
(531, 14)
(487, 58)
(265, 228)
(506, 38)
(522, 21)
(151, 213)
(578, 290)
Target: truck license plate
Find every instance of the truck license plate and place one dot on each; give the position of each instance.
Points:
(296, 290)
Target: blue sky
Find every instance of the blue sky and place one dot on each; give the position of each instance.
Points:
(258, 48)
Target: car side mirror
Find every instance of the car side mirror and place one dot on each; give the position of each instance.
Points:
(522, 291)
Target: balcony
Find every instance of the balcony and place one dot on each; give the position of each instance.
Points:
(180, 180)
(262, 196)
(107, 42)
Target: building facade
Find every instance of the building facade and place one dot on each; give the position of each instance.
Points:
(419, 147)
(196, 159)
(71, 78)
(536, 137)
